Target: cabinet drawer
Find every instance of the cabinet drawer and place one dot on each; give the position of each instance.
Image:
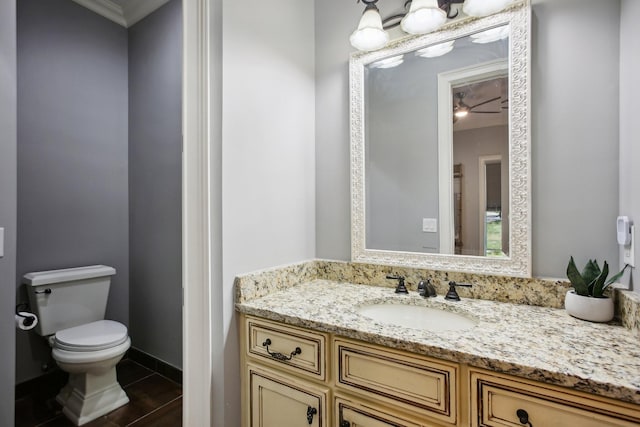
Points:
(499, 401)
(279, 401)
(278, 345)
(354, 413)
(413, 383)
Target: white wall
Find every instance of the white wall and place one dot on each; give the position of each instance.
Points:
(268, 157)
(629, 123)
(574, 150)
(8, 202)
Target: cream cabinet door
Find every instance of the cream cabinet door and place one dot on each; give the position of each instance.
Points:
(278, 401)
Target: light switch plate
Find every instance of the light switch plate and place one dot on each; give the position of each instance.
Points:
(629, 250)
(430, 225)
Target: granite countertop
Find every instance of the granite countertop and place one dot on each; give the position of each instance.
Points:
(538, 343)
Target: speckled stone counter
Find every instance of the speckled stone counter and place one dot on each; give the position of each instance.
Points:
(539, 343)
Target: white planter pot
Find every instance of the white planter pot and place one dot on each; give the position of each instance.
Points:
(588, 308)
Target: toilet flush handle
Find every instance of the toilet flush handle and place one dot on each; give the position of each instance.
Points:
(46, 291)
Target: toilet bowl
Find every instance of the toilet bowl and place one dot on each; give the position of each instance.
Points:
(89, 353)
(70, 305)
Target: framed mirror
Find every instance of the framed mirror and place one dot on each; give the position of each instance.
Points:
(440, 148)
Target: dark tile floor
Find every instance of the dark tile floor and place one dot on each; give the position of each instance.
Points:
(154, 401)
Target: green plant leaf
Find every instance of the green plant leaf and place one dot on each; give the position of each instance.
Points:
(615, 277)
(576, 279)
(591, 271)
(598, 286)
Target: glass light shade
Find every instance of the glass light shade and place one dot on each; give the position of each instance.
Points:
(424, 16)
(492, 35)
(394, 61)
(369, 35)
(436, 50)
(484, 7)
(461, 113)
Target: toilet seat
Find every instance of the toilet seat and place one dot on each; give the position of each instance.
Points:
(91, 337)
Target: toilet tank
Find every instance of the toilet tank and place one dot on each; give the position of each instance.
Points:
(70, 297)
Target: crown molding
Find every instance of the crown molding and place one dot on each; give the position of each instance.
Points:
(106, 8)
(135, 10)
(126, 16)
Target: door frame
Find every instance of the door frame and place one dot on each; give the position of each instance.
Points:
(446, 82)
(201, 199)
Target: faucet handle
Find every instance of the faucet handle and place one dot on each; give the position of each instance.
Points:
(452, 294)
(401, 288)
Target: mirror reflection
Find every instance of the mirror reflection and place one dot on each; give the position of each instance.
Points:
(437, 166)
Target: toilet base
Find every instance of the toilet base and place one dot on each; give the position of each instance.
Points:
(88, 396)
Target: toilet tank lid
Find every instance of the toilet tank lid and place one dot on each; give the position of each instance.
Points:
(49, 277)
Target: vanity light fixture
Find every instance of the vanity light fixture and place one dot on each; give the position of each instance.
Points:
(391, 62)
(491, 35)
(421, 17)
(436, 50)
(369, 35)
(484, 7)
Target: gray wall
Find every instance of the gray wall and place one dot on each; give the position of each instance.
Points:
(268, 161)
(575, 153)
(7, 207)
(72, 152)
(155, 204)
(629, 123)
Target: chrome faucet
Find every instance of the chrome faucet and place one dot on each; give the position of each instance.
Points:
(426, 289)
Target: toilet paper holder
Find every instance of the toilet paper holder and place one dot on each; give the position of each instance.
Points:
(28, 320)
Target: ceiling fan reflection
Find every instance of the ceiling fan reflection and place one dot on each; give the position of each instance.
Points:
(461, 109)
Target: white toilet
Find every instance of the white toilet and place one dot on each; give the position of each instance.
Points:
(70, 305)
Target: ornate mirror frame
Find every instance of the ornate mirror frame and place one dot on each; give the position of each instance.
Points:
(518, 263)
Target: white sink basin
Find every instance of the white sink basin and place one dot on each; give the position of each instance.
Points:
(417, 317)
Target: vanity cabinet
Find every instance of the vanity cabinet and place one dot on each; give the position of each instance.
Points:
(292, 376)
(284, 375)
(505, 401)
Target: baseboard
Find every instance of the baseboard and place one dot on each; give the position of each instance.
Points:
(54, 379)
(155, 364)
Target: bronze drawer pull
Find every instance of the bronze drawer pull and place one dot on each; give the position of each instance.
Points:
(282, 357)
(310, 413)
(523, 416)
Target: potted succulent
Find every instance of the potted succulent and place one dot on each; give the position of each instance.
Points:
(587, 300)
